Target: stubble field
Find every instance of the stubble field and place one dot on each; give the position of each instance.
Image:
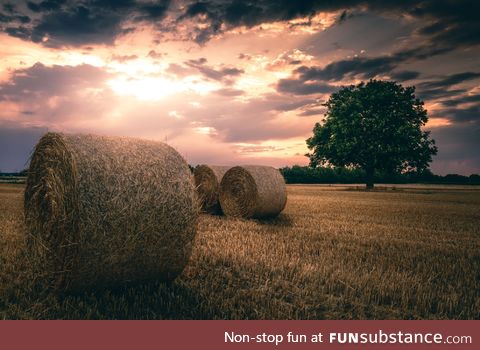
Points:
(334, 253)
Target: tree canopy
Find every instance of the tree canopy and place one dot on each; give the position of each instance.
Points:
(373, 126)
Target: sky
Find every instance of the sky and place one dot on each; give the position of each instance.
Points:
(228, 81)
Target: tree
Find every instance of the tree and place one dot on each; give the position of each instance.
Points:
(373, 126)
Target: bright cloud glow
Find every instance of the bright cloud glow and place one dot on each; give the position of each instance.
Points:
(157, 88)
(206, 130)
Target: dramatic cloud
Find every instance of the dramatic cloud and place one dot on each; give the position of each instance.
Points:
(441, 88)
(449, 80)
(40, 82)
(230, 14)
(56, 95)
(363, 67)
(462, 115)
(229, 81)
(101, 21)
(451, 23)
(58, 23)
(461, 100)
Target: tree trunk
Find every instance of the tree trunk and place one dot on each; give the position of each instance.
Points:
(369, 177)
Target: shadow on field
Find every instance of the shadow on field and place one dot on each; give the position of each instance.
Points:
(222, 284)
(282, 220)
(375, 189)
(220, 289)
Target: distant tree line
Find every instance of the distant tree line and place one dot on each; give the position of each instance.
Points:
(325, 175)
(20, 173)
(341, 175)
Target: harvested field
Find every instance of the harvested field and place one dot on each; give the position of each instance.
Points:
(332, 254)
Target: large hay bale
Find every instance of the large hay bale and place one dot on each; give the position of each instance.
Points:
(207, 181)
(253, 191)
(106, 211)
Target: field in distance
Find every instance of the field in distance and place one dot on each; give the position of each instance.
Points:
(334, 253)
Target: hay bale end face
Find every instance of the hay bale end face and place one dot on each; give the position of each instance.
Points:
(107, 211)
(253, 191)
(207, 181)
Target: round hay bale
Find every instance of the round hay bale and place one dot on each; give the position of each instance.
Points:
(253, 191)
(107, 211)
(207, 181)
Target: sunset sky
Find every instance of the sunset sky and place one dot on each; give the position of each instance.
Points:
(228, 82)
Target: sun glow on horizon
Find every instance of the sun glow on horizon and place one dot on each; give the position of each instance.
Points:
(157, 88)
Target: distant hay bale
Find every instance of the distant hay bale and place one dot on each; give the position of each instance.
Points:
(207, 181)
(253, 191)
(107, 211)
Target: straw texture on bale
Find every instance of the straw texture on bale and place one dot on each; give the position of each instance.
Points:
(107, 211)
(253, 191)
(207, 181)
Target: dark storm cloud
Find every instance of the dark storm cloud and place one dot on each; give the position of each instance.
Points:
(12, 16)
(365, 67)
(463, 115)
(154, 11)
(246, 13)
(441, 88)
(433, 94)
(461, 100)
(9, 18)
(70, 23)
(9, 7)
(449, 80)
(309, 80)
(451, 23)
(75, 23)
(314, 79)
(45, 6)
(336, 71)
(78, 26)
(18, 32)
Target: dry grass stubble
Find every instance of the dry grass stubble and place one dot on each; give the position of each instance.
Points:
(330, 254)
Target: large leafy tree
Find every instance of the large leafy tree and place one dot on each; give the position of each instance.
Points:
(376, 126)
